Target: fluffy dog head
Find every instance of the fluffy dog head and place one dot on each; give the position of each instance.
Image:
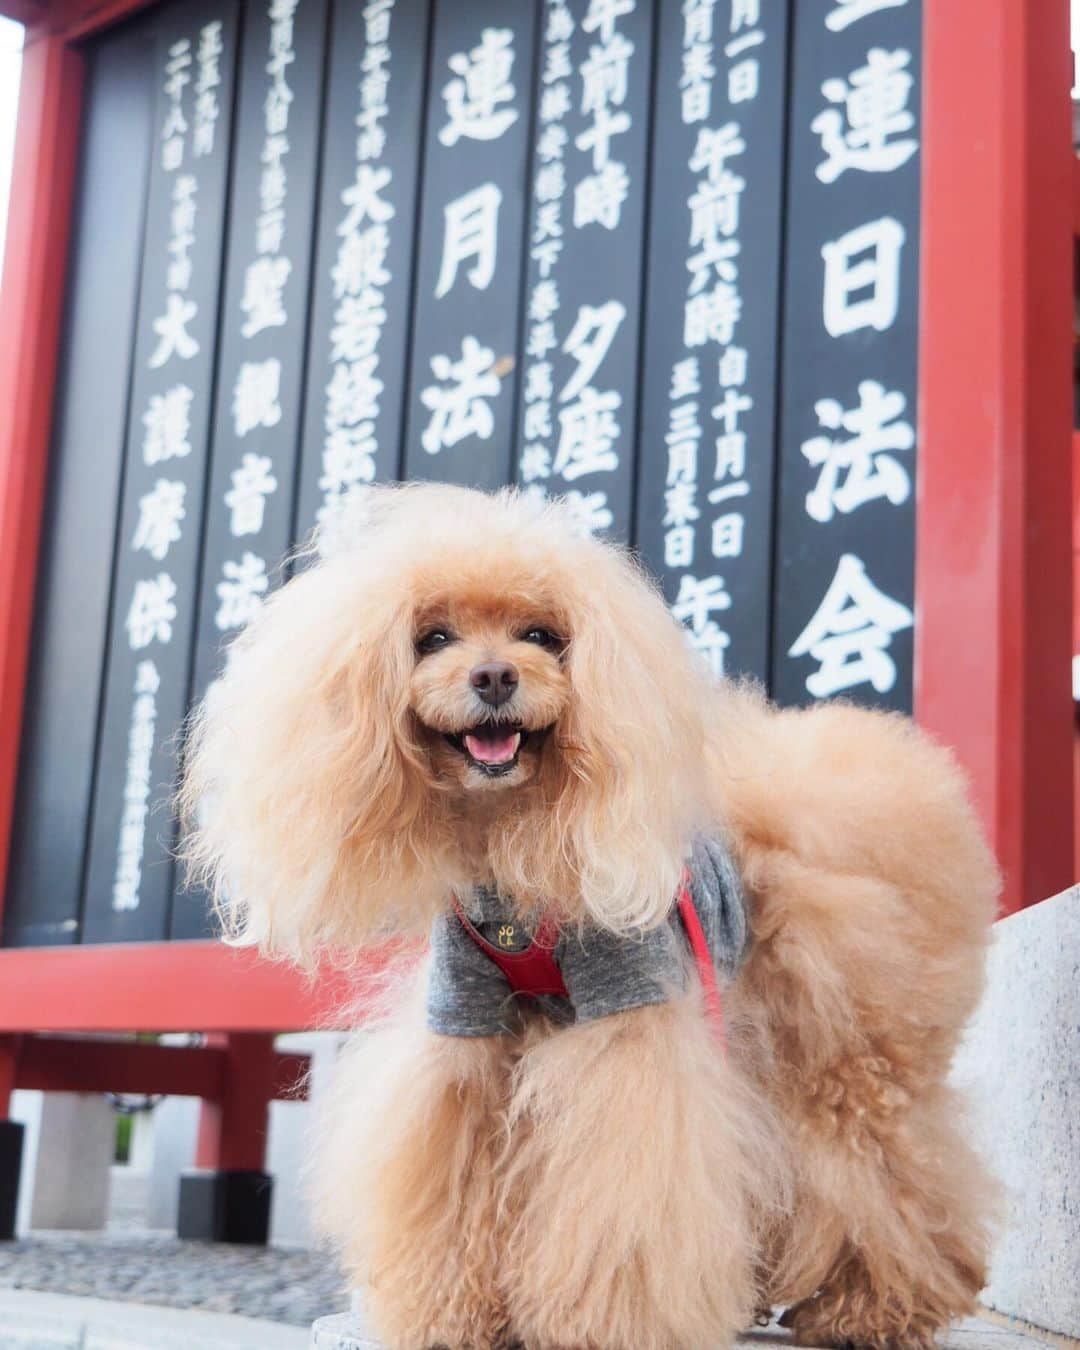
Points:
(471, 691)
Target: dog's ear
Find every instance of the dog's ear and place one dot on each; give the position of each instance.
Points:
(632, 747)
(304, 793)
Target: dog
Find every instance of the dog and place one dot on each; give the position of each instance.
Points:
(477, 720)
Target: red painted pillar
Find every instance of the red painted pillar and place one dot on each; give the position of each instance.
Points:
(9, 1051)
(31, 307)
(994, 569)
(232, 1131)
(11, 1140)
(227, 1198)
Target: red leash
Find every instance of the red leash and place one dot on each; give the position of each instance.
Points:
(714, 1006)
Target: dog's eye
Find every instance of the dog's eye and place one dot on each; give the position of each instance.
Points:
(434, 641)
(541, 637)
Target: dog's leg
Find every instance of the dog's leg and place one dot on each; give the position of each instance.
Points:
(408, 1187)
(633, 1185)
(905, 1204)
(861, 986)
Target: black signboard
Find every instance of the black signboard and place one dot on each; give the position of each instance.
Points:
(363, 272)
(579, 348)
(660, 260)
(708, 419)
(249, 510)
(60, 722)
(129, 869)
(468, 277)
(844, 607)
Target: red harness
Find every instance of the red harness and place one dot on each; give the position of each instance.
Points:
(535, 971)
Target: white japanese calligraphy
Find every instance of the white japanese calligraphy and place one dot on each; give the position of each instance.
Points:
(240, 592)
(171, 328)
(473, 101)
(589, 432)
(152, 611)
(850, 633)
(727, 535)
(167, 423)
(127, 878)
(207, 81)
(360, 274)
(360, 264)
(599, 197)
(175, 125)
(160, 512)
(363, 200)
(864, 259)
(459, 402)
(603, 15)
(698, 69)
(255, 395)
(874, 99)
(744, 80)
(263, 300)
(859, 468)
(252, 483)
(589, 341)
(697, 600)
(471, 231)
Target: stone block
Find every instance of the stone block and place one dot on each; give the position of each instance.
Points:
(1020, 1066)
(225, 1206)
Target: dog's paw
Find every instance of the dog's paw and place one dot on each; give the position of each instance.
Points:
(821, 1322)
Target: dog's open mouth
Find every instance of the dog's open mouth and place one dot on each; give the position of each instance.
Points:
(492, 747)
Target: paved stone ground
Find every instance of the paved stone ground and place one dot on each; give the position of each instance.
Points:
(345, 1332)
(280, 1285)
(146, 1273)
(34, 1321)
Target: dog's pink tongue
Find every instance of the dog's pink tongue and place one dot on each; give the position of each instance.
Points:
(493, 749)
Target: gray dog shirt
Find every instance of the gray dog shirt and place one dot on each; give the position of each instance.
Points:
(468, 995)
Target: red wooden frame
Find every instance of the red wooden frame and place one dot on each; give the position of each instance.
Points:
(156, 986)
(31, 304)
(993, 572)
(46, 1063)
(994, 566)
(169, 986)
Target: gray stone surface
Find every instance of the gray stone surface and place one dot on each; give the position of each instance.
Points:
(1021, 1067)
(157, 1268)
(346, 1332)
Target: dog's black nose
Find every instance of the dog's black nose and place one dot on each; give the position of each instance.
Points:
(495, 681)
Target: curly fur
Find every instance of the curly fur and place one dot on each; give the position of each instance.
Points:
(619, 1185)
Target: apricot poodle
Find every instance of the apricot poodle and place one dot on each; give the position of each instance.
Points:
(477, 724)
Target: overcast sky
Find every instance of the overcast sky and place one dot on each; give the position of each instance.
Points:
(10, 46)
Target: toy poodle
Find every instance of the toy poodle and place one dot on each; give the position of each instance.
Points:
(677, 1051)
